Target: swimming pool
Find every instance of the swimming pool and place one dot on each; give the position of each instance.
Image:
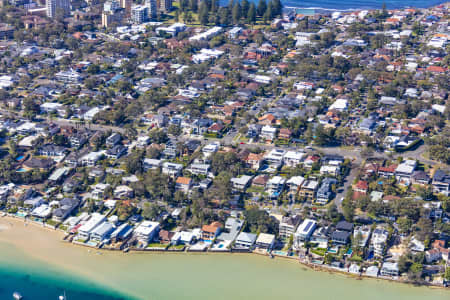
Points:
(18, 158)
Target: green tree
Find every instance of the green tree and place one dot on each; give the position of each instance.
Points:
(251, 14)
(262, 7)
(236, 13)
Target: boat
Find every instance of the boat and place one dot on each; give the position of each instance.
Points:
(17, 296)
(63, 297)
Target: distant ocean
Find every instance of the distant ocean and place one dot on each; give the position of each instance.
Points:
(342, 5)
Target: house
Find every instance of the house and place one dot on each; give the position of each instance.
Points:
(123, 192)
(254, 160)
(441, 182)
(77, 140)
(293, 158)
(268, 133)
(66, 207)
(308, 190)
(232, 228)
(432, 255)
(294, 184)
(389, 269)
(165, 236)
(84, 232)
(304, 232)
(310, 161)
(116, 152)
(275, 157)
(420, 177)
(241, 183)
(325, 191)
(58, 175)
(260, 180)
(183, 184)
(405, 170)
(344, 226)
(146, 231)
(91, 158)
(245, 240)
(199, 169)
(210, 232)
(172, 169)
(329, 170)
(151, 164)
(378, 241)
(388, 171)
(340, 237)
(121, 233)
(99, 191)
(52, 150)
(361, 187)
(284, 134)
(275, 186)
(287, 226)
(102, 231)
(361, 235)
(43, 164)
(265, 241)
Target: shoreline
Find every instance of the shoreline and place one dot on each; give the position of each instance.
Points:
(328, 10)
(134, 252)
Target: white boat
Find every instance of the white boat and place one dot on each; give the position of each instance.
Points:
(63, 297)
(17, 296)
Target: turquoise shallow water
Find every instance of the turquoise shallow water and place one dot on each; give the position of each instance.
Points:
(37, 281)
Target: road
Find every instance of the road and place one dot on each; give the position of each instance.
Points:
(65, 122)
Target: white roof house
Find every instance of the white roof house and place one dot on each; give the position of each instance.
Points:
(86, 229)
(304, 232)
(339, 104)
(146, 231)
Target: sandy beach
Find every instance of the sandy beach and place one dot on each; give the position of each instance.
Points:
(196, 276)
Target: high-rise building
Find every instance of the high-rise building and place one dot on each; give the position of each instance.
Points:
(111, 6)
(56, 7)
(165, 5)
(139, 14)
(151, 8)
(112, 13)
(126, 4)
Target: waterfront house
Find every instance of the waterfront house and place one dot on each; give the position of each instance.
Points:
(102, 232)
(265, 241)
(146, 231)
(210, 232)
(378, 241)
(389, 269)
(121, 233)
(84, 232)
(288, 225)
(245, 240)
(304, 232)
(66, 207)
